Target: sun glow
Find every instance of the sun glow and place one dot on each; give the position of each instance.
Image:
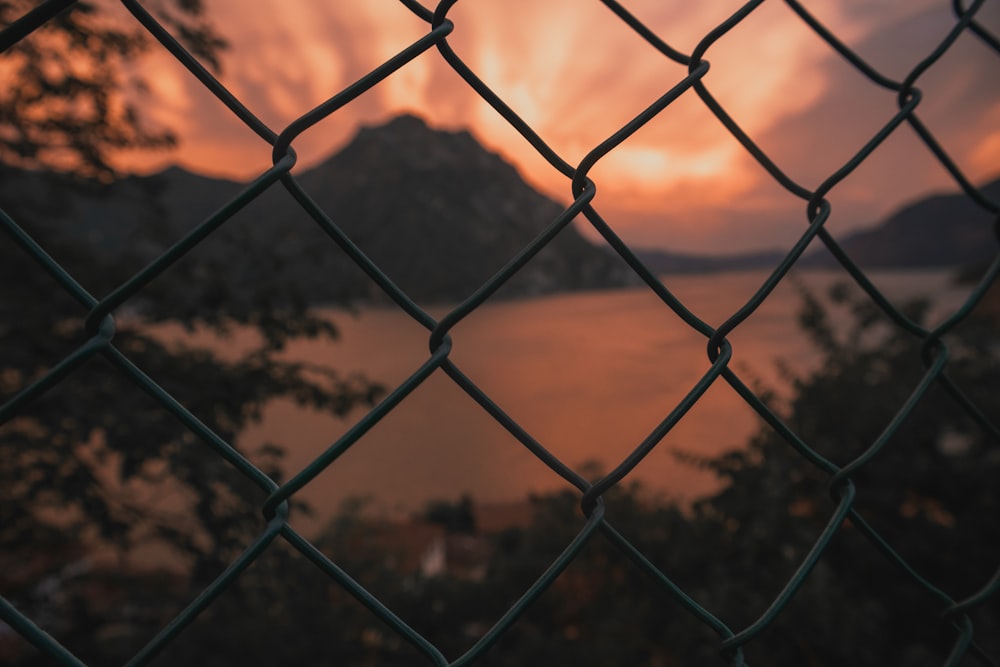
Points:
(576, 75)
(647, 167)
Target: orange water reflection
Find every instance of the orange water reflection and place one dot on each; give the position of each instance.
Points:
(588, 375)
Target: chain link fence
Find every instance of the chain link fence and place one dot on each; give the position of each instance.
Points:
(594, 526)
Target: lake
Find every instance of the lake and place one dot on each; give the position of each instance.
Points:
(589, 375)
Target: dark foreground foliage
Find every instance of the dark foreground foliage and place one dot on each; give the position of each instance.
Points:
(930, 493)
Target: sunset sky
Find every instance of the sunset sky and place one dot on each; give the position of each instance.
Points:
(576, 74)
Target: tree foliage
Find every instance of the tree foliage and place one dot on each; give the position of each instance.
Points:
(931, 494)
(96, 472)
(76, 85)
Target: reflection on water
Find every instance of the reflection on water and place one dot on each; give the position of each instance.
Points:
(588, 375)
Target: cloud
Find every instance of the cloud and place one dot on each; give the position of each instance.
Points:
(959, 106)
(577, 74)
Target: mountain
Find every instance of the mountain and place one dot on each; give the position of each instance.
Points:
(441, 214)
(664, 262)
(939, 231)
(945, 230)
(437, 212)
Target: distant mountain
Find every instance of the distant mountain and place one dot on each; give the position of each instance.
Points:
(663, 262)
(441, 214)
(938, 231)
(435, 210)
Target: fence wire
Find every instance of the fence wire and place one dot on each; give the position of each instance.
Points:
(100, 328)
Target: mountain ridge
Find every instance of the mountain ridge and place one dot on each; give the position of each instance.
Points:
(939, 230)
(911, 237)
(434, 210)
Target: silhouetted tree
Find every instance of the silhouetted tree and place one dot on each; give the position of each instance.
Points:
(931, 494)
(96, 470)
(73, 87)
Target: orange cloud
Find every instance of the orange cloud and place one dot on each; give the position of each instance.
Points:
(576, 74)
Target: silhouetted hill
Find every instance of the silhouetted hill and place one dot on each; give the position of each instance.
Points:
(939, 231)
(946, 230)
(664, 262)
(441, 215)
(435, 210)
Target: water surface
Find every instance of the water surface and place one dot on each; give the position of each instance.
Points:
(588, 375)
